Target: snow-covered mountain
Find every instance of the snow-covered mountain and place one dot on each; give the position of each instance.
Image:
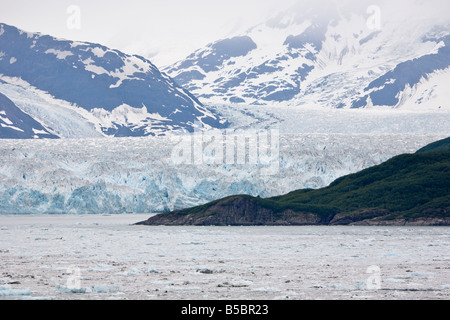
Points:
(78, 89)
(340, 54)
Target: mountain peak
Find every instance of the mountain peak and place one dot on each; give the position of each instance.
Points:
(327, 54)
(93, 77)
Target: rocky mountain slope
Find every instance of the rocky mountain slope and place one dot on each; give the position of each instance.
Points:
(77, 87)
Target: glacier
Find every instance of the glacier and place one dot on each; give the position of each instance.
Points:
(109, 175)
(15, 124)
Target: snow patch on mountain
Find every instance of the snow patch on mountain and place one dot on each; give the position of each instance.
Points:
(61, 55)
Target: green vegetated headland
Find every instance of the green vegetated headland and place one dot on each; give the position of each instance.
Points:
(410, 189)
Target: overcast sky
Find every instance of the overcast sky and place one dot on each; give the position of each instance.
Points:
(162, 30)
(139, 26)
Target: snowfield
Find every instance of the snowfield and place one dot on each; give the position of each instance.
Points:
(106, 257)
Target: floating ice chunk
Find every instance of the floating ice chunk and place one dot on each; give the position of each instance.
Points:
(104, 289)
(360, 286)
(338, 286)
(205, 271)
(62, 289)
(235, 284)
(131, 272)
(265, 289)
(102, 267)
(193, 243)
(151, 270)
(392, 254)
(7, 291)
(36, 298)
(420, 274)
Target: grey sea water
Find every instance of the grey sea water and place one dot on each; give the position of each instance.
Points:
(107, 257)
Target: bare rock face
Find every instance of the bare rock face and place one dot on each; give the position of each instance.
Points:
(357, 217)
(247, 211)
(235, 211)
(418, 222)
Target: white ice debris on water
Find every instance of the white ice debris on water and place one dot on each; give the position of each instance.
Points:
(114, 261)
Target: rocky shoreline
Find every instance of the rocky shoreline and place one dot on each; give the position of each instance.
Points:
(244, 211)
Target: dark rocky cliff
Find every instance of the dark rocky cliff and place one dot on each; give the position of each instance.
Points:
(236, 211)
